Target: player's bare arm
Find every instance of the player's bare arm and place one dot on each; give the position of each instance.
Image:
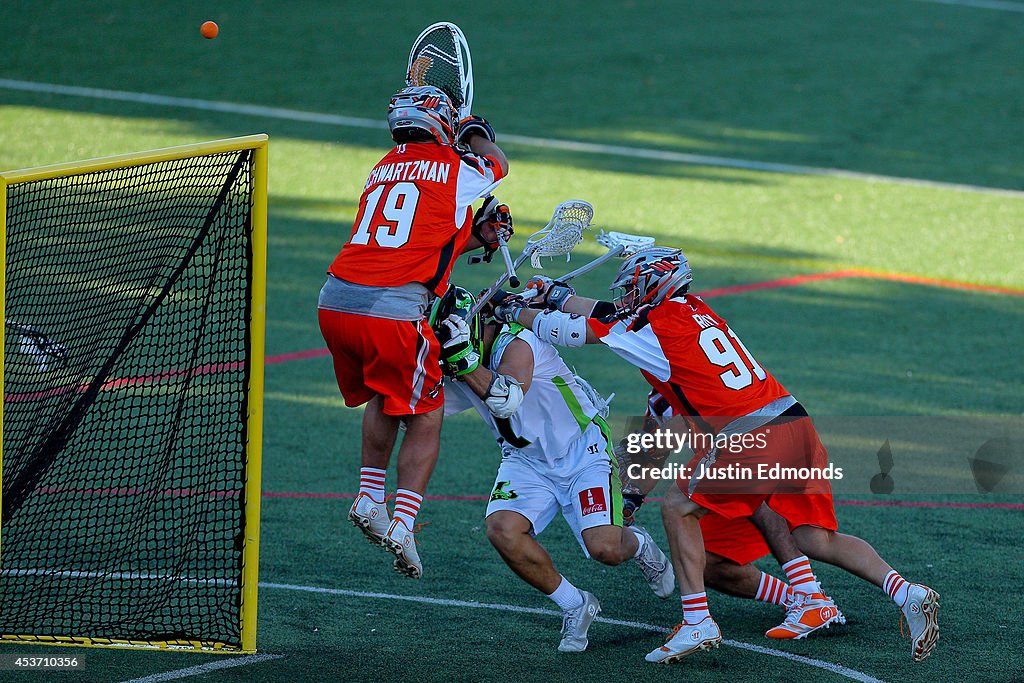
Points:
(516, 363)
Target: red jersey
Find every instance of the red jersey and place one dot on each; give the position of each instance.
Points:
(414, 216)
(691, 357)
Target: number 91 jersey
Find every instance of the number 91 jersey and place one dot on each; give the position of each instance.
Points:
(414, 216)
(693, 359)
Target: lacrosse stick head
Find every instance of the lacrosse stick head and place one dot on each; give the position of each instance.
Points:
(440, 57)
(562, 233)
(651, 275)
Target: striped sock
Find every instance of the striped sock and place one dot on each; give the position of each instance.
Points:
(407, 506)
(695, 608)
(371, 482)
(773, 590)
(800, 575)
(567, 596)
(896, 587)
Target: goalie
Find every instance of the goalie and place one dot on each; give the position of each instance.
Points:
(556, 457)
(414, 219)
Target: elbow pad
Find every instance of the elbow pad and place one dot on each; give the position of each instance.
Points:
(504, 396)
(563, 329)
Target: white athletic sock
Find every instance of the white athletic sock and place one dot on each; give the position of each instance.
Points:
(371, 482)
(407, 506)
(641, 543)
(774, 590)
(695, 608)
(896, 587)
(801, 576)
(567, 596)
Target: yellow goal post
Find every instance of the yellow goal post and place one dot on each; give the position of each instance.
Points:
(133, 292)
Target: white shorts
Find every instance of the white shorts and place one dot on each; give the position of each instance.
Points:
(588, 494)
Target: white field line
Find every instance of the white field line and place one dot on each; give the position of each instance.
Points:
(982, 4)
(852, 674)
(205, 668)
(544, 143)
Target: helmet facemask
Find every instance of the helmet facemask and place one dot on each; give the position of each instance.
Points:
(650, 276)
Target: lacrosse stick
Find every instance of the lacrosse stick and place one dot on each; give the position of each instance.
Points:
(618, 244)
(440, 57)
(558, 238)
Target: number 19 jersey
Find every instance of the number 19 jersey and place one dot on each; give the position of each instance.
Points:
(414, 216)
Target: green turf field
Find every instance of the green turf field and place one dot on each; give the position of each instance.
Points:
(900, 91)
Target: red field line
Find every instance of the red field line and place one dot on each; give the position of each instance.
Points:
(125, 491)
(928, 281)
(296, 355)
(710, 293)
(852, 503)
(773, 284)
(125, 381)
(176, 493)
(794, 281)
(864, 274)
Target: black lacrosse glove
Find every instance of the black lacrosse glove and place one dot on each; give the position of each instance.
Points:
(497, 218)
(474, 125)
(551, 293)
(631, 502)
(506, 305)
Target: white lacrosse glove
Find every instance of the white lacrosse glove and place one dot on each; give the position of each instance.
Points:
(458, 357)
(551, 292)
(504, 396)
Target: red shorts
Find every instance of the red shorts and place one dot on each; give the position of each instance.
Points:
(734, 539)
(790, 443)
(397, 359)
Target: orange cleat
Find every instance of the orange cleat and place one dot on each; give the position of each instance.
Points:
(806, 614)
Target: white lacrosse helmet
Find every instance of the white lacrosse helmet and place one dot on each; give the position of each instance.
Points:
(422, 112)
(650, 276)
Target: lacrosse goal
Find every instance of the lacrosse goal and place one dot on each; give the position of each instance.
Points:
(133, 301)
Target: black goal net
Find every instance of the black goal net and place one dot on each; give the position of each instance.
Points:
(126, 389)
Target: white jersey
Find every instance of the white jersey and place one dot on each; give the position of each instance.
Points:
(553, 415)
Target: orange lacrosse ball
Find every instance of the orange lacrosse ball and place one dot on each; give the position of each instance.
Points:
(209, 29)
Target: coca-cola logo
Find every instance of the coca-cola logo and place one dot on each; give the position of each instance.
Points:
(592, 501)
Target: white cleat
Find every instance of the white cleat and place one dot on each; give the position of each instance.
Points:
(370, 517)
(400, 540)
(686, 639)
(576, 622)
(656, 567)
(921, 611)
